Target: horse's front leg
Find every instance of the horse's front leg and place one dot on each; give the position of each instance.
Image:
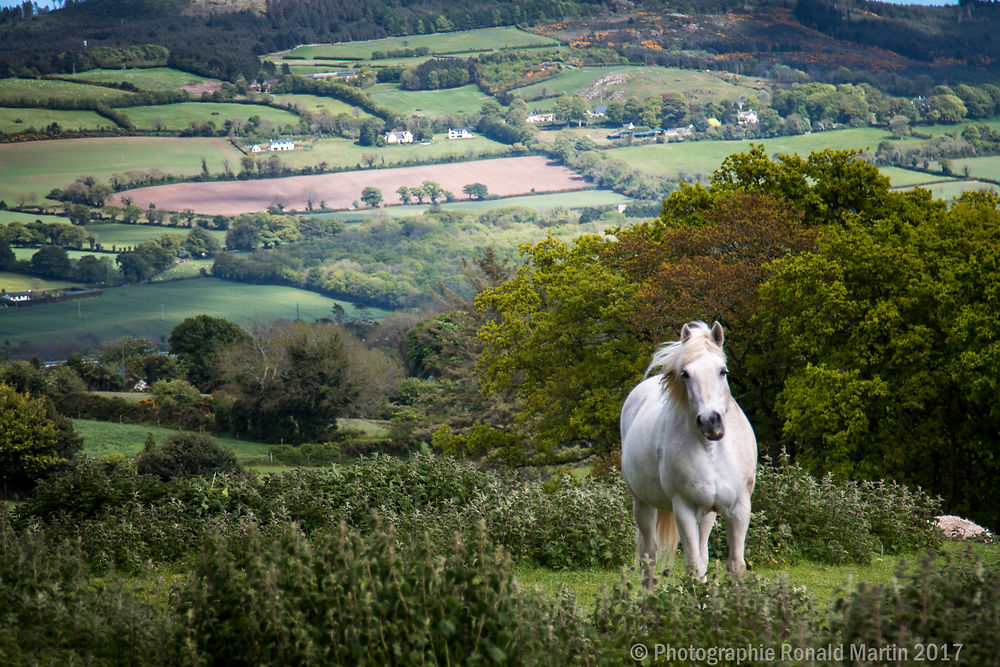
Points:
(688, 526)
(704, 530)
(737, 525)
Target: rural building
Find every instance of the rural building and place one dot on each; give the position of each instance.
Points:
(282, 145)
(345, 75)
(399, 137)
(679, 131)
(460, 133)
(637, 132)
(541, 117)
(748, 117)
(598, 112)
(17, 297)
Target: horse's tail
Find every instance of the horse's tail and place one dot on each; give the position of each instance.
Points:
(666, 535)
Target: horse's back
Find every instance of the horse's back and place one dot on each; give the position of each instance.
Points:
(641, 424)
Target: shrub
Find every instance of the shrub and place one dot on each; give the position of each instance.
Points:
(187, 455)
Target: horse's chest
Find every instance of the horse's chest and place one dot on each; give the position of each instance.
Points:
(706, 483)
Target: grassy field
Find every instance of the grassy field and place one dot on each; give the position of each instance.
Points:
(703, 157)
(40, 90)
(7, 217)
(464, 99)
(16, 120)
(570, 200)
(153, 310)
(176, 117)
(316, 104)
(619, 82)
(471, 41)
(145, 78)
(982, 167)
(338, 152)
(901, 178)
(951, 189)
(18, 282)
(120, 234)
(105, 438)
(34, 168)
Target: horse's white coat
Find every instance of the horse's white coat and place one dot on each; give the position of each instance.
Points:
(688, 449)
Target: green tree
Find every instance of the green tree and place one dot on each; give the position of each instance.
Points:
(371, 196)
(558, 340)
(93, 270)
(186, 455)
(200, 243)
(477, 190)
(51, 262)
(432, 190)
(197, 340)
(7, 256)
(31, 442)
(404, 194)
(132, 214)
(241, 236)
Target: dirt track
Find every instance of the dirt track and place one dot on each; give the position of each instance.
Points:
(505, 176)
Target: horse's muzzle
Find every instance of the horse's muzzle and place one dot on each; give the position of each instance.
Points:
(711, 426)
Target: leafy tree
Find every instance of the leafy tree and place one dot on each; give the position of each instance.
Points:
(94, 270)
(7, 256)
(186, 455)
(197, 340)
(199, 243)
(432, 190)
(241, 236)
(477, 190)
(132, 214)
(558, 340)
(173, 393)
(371, 196)
(51, 262)
(404, 194)
(289, 382)
(31, 442)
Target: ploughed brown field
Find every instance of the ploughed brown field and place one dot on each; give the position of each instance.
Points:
(504, 176)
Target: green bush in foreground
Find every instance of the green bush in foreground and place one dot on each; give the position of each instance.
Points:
(186, 455)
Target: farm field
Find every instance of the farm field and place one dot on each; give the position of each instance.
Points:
(949, 190)
(619, 82)
(464, 99)
(7, 217)
(176, 117)
(106, 438)
(983, 167)
(467, 41)
(570, 200)
(153, 310)
(18, 282)
(39, 90)
(121, 234)
(344, 153)
(146, 78)
(316, 104)
(504, 176)
(36, 167)
(26, 253)
(902, 178)
(689, 158)
(14, 120)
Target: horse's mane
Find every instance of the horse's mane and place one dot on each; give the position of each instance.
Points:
(670, 358)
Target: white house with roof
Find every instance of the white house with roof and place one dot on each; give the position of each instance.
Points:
(460, 133)
(399, 137)
(540, 117)
(275, 145)
(748, 117)
(17, 297)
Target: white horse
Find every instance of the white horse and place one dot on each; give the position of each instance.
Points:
(688, 452)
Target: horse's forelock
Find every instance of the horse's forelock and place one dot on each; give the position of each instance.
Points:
(672, 357)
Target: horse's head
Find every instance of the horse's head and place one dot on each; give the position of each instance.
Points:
(694, 368)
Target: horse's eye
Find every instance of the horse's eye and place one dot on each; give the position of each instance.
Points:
(724, 372)
(684, 374)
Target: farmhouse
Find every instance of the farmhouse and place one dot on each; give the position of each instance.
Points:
(275, 145)
(540, 117)
(460, 133)
(17, 297)
(399, 137)
(346, 75)
(598, 111)
(748, 117)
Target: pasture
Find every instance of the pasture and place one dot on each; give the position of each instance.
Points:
(176, 117)
(121, 234)
(7, 217)
(39, 91)
(504, 176)
(430, 103)
(982, 167)
(689, 158)
(152, 310)
(466, 41)
(903, 178)
(948, 190)
(34, 168)
(344, 153)
(19, 282)
(14, 120)
(316, 104)
(146, 78)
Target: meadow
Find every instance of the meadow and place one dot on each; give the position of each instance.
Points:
(982, 167)
(347, 154)
(15, 120)
(146, 78)
(467, 41)
(121, 234)
(316, 104)
(948, 190)
(19, 282)
(446, 101)
(7, 217)
(38, 91)
(176, 117)
(33, 169)
(152, 310)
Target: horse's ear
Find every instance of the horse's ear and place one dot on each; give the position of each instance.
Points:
(685, 333)
(717, 335)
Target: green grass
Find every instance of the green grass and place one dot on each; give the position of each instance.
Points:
(571, 200)
(34, 168)
(317, 105)
(153, 310)
(146, 78)
(338, 152)
(902, 178)
(7, 217)
(106, 438)
(981, 167)
(486, 39)
(464, 99)
(18, 282)
(16, 120)
(26, 253)
(951, 189)
(41, 90)
(824, 581)
(703, 157)
(176, 117)
(120, 234)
